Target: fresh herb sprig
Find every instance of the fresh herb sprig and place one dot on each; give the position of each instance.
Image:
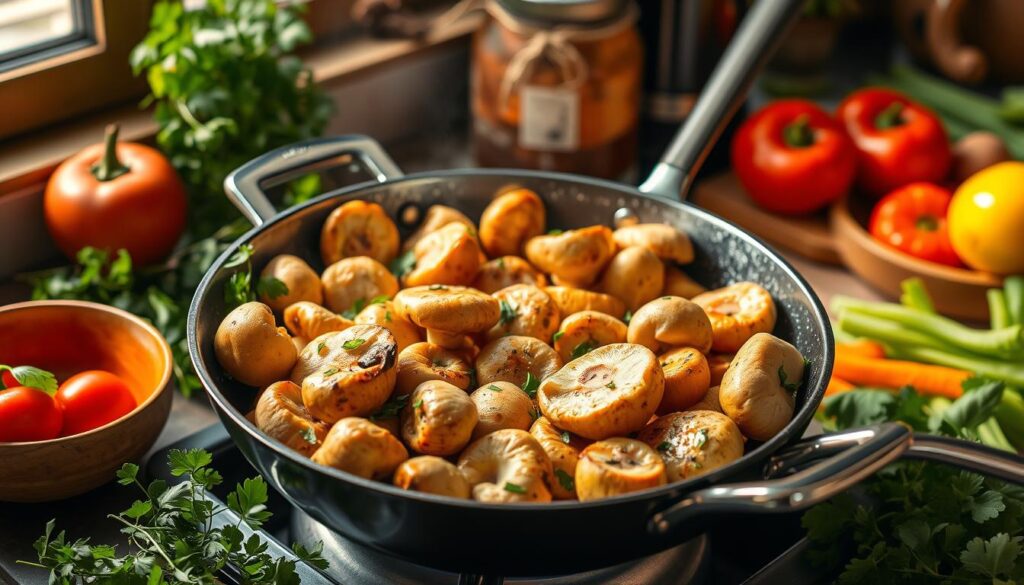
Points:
(173, 536)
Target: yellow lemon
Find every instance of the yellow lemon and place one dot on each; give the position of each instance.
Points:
(986, 219)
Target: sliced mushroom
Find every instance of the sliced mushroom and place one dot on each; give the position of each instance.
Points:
(525, 310)
(709, 401)
(563, 449)
(634, 275)
(668, 322)
(349, 373)
(719, 363)
(510, 220)
(281, 415)
(448, 313)
(613, 390)
(575, 256)
(582, 332)
(737, 312)
(665, 241)
(757, 390)
(310, 321)
(438, 419)
(358, 228)
(573, 300)
(299, 280)
(617, 466)
(687, 378)
(501, 405)
(425, 361)
(252, 348)
(512, 358)
(507, 466)
(300, 343)
(359, 279)
(694, 442)
(451, 255)
(437, 217)
(431, 475)
(384, 314)
(359, 447)
(499, 273)
(679, 284)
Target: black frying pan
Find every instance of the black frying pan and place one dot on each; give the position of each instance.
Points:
(561, 537)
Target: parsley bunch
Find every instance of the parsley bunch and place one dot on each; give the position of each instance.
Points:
(175, 536)
(918, 522)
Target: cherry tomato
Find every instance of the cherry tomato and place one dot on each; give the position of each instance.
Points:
(28, 414)
(92, 399)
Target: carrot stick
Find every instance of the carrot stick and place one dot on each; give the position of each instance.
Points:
(926, 379)
(837, 386)
(863, 348)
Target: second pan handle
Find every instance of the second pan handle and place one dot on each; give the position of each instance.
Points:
(762, 30)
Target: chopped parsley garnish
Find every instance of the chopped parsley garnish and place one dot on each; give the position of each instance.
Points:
(514, 488)
(702, 438)
(320, 347)
(565, 480)
(387, 316)
(566, 437)
(791, 386)
(627, 317)
(331, 371)
(403, 264)
(666, 298)
(610, 385)
(418, 403)
(353, 343)
(530, 385)
(494, 388)
(308, 435)
(663, 446)
(508, 312)
(271, 287)
(501, 263)
(437, 287)
(391, 407)
(583, 349)
(555, 232)
(360, 304)
(558, 335)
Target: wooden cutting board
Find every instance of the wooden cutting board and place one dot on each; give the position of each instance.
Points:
(809, 235)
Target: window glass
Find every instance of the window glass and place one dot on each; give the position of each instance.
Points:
(25, 24)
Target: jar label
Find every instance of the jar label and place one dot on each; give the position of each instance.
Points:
(550, 118)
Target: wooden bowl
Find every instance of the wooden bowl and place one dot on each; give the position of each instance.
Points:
(958, 292)
(67, 337)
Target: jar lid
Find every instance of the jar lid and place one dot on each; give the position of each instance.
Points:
(565, 11)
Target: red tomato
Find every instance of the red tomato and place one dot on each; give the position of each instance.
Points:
(27, 414)
(8, 379)
(792, 157)
(92, 399)
(912, 219)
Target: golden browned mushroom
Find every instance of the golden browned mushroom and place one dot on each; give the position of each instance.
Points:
(507, 466)
(617, 466)
(384, 314)
(634, 275)
(308, 320)
(687, 378)
(693, 443)
(563, 449)
(501, 405)
(719, 363)
(575, 256)
(438, 419)
(709, 401)
(510, 220)
(299, 343)
(668, 322)
(349, 373)
(361, 448)
(358, 228)
(525, 310)
(512, 358)
(665, 241)
(757, 390)
(437, 217)
(573, 300)
(679, 284)
(451, 255)
(301, 283)
(425, 361)
(448, 313)
(501, 272)
(431, 475)
(252, 348)
(737, 312)
(281, 414)
(356, 280)
(587, 330)
(613, 390)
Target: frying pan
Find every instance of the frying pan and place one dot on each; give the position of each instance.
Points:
(481, 539)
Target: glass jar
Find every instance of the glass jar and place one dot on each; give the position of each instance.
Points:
(556, 86)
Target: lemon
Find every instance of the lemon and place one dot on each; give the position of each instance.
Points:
(986, 219)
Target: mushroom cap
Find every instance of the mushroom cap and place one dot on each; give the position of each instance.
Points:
(453, 309)
(667, 242)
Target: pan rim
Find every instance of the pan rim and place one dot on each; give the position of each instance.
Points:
(789, 433)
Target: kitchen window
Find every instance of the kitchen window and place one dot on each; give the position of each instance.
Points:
(34, 30)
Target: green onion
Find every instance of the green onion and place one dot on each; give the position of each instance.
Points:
(514, 488)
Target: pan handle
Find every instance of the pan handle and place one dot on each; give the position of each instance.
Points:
(852, 456)
(244, 186)
(759, 35)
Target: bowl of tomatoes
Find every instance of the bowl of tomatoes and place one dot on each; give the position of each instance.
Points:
(86, 387)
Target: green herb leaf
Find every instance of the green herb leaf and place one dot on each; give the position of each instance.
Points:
(565, 480)
(308, 435)
(508, 312)
(391, 408)
(501, 263)
(127, 474)
(403, 264)
(418, 403)
(627, 317)
(188, 462)
(566, 438)
(791, 386)
(437, 287)
(663, 446)
(514, 488)
(249, 500)
(701, 439)
(558, 335)
(583, 349)
(555, 232)
(530, 385)
(493, 388)
(975, 406)
(331, 371)
(994, 557)
(610, 385)
(271, 288)
(33, 378)
(242, 255)
(353, 343)
(320, 347)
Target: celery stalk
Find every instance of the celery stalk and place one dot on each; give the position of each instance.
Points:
(998, 311)
(1010, 372)
(860, 325)
(1013, 291)
(991, 434)
(1010, 415)
(915, 295)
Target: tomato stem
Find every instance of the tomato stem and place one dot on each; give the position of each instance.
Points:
(890, 117)
(799, 133)
(109, 167)
(927, 223)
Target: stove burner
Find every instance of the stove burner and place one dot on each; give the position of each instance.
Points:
(352, 563)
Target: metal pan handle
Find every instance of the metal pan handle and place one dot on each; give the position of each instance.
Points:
(757, 38)
(244, 186)
(852, 456)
